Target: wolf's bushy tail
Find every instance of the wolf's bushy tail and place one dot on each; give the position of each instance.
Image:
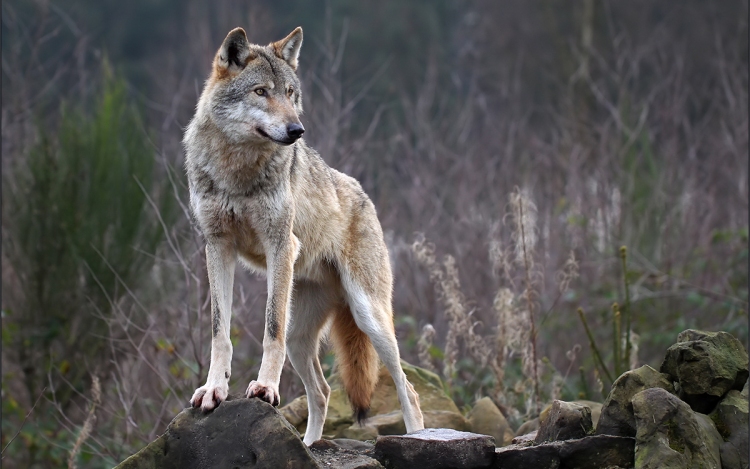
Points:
(356, 360)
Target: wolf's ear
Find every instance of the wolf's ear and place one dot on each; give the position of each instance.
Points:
(234, 51)
(288, 48)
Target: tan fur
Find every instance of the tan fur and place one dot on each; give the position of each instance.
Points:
(261, 195)
(356, 360)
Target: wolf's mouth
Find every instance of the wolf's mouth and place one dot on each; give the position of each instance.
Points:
(281, 142)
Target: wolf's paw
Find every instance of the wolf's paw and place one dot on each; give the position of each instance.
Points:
(265, 392)
(208, 397)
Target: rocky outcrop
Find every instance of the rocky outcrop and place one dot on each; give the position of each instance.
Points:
(643, 424)
(240, 433)
(706, 365)
(671, 436)
(617, 412)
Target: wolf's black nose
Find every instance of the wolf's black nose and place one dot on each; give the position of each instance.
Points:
(295, 131)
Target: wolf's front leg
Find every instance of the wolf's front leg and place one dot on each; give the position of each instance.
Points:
(220, 261)
(280, 262)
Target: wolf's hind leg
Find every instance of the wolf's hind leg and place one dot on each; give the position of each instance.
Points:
(375, 319)
(220, 261)
(312, 306)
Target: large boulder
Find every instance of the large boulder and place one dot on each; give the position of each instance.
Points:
(617, 412)
(731, 418)
(706, 365)
(240, 433)
(434, 448)
(671, 436)
(486, 419)
(565, 421)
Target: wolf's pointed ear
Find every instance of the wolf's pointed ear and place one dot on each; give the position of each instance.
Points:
(288, 48)
(234, 51)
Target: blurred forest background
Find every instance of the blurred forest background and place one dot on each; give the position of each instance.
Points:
(511, 148)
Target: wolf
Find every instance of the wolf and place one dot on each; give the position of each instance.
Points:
(260, 194)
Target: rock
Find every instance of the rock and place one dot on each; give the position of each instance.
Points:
(537, 457)
(435, 449)
(355, 445)
(596, 410)
(525, 440)
(486, 419)
(671, 436)
(296, 411)
(528, 427)
(566, 421)
(392, 423)
(239, 433)
(730, 418)
(706, 365)
(359, 432)
(432, 397)
(617, 412)
(333, 454)
(446, 419)
(591, 452)
(339, 416)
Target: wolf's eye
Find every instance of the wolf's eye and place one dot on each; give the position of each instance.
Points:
(290, 91)
(260, 92)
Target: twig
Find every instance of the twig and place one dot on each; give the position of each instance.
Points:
(24, 420)
(594, 349)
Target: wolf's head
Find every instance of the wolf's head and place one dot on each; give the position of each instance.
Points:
(253, 94)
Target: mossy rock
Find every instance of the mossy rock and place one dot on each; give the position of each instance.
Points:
(706, 365)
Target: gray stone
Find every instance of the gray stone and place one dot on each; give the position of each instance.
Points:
(596, 451)
(731, 420)
(617, 412)
(436, 448)
(391, 423)
(671, 436)
(537, 457)
(296, 411)
(528, 427)
(596, 409)
(335, 454)
(591, 452)
(706, 365)
(566, 421)
(239, 433)
(525, 440)
(486, 419)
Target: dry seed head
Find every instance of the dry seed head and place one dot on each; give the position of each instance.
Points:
(568, 273)
(423, 347)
